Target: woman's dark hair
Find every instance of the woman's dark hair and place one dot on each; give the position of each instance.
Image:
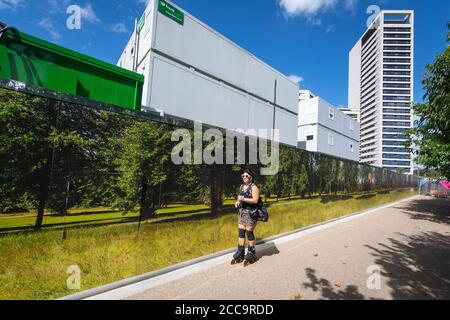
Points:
(250, 173)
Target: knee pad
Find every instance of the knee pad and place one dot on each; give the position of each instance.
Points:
(250, 236)
(242, 233)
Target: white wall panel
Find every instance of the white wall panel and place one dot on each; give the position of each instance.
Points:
(261, 80)
(287, 94)
(260, 115)
(198, 46)
(287, 124)
(184, 93)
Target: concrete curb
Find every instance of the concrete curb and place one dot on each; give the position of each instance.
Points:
(135, 285)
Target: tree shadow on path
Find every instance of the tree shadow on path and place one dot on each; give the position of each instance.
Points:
(331, 291)
(417, 267)
(429, 209)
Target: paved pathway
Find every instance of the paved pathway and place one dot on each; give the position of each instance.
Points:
(409, 243)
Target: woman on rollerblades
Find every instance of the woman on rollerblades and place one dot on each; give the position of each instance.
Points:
(248, 200)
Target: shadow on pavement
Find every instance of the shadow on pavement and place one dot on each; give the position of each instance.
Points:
(429, 209)
(414, 267)
(331, 291)
(267, 250)
(418, 268)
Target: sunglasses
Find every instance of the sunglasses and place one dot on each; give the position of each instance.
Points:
(245, 176)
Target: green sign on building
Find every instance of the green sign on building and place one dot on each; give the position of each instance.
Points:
(170, 11)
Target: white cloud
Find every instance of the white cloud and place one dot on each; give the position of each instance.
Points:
(295, 78)
(350, 4)
(58, 6)
(330, 28)
(50, 28)
(315, 21)
(308, 7)
(119, 28)
(313, 7)
(88, 14)
(10, 4)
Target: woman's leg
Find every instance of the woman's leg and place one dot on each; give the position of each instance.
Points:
(238, 257)
(250, 257)
(252, 239)
(242, 230)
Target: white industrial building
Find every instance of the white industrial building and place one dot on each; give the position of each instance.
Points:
(323, 128)
(193, 72)
(381, 88)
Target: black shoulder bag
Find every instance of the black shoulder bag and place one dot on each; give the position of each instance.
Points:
(260, 212)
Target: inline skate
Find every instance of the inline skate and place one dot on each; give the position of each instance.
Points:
(250, 257)
(238, 257)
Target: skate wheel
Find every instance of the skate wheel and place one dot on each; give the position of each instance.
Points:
(249, 262)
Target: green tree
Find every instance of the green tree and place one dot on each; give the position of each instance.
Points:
(46, 144)
(84, 157)
(350, 173)
(144, 154)
(286, 171)
(432, 132)
(27, 136)
(325, 173)
(300, 181)
(274, 185)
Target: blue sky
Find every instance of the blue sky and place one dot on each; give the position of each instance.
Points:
(309, 39)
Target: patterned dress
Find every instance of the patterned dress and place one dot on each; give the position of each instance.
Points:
(244, 212)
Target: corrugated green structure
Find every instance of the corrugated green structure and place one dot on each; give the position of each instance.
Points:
(34, 61)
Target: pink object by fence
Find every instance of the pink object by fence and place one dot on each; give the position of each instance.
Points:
(445, 184)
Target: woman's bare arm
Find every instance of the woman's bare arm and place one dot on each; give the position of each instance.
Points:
(255, 196)
(236, 204)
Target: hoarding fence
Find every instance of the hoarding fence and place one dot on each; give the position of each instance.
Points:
(66, 165)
